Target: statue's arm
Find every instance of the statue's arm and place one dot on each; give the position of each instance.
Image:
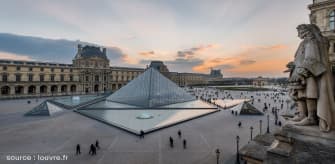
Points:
(312, 63)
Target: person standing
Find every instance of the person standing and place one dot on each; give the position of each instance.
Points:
(179, 133)
(78, 149)
(184, 143)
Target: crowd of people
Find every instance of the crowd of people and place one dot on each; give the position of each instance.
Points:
(171, 140)
(92, 151)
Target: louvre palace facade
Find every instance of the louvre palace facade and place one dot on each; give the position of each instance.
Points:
(89, 73)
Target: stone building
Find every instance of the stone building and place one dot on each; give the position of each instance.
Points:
(188, 79)
(159, 65)
(323, 15)
(260, 81)
(89, 73)
(216, 73)
(181, 79)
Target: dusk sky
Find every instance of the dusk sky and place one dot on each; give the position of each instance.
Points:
(241, 37)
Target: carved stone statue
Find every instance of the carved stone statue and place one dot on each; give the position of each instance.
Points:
(310, 80)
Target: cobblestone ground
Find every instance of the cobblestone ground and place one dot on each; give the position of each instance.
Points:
(59, 135)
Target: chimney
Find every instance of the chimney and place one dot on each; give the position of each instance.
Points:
(79, 48)
(104, 51)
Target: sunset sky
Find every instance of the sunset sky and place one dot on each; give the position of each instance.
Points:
(243, 38)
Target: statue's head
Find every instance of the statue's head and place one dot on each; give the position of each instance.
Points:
(303, 30)
(311, 30)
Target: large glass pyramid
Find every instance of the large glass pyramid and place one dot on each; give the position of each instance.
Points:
(150, 89)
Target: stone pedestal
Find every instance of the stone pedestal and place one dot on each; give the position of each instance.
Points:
(294, 144)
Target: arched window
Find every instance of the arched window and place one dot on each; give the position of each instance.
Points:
(332, 20)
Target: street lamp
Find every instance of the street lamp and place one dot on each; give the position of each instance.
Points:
(237, 150)
(268, 128)
(287, 102)
(276, 116)
(251, 128)
(260, 127)
(217, 151)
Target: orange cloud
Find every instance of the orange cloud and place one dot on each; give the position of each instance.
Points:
(127, 59)
(147, 53)
(252, 60)
(10, 56)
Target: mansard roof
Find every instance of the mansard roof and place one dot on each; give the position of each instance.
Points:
(92, 51)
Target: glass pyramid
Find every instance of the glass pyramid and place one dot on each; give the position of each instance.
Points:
(246, 108)
(44, 109)
(150, 89)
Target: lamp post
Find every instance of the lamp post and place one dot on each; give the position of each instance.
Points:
(237, 150)
(268, 128)
(217, 151)
(287, 102)
(251, 128)
(276, 116)
(260, 127)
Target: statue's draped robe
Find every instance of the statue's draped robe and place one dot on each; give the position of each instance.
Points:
(312, 55)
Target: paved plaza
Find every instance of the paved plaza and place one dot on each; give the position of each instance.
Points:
(59, 135)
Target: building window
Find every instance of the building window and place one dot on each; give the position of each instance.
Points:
(87, 79)
(30, 68)
(42, 69)
(52, 77)
(71, 77)
(71, 70)
(18, 68)
(61, 77)
(332, 20)
(52, 69)
(41, 77)
(4, 78)
(62, 69)
(30, 77)
(96, 78)
(4, 68)
(18, 78)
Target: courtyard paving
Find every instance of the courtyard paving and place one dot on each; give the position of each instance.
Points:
(60, 134)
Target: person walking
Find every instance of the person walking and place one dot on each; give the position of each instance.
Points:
(78, 149)
(97, 144)
(171, 142)
(184, 143)
(141, 134)
(92, 150)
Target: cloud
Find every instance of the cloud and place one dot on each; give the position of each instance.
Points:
(190, 53)
(45, 49)
(270, 61)
(147, 53)
(247, 62)
(10, 56)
